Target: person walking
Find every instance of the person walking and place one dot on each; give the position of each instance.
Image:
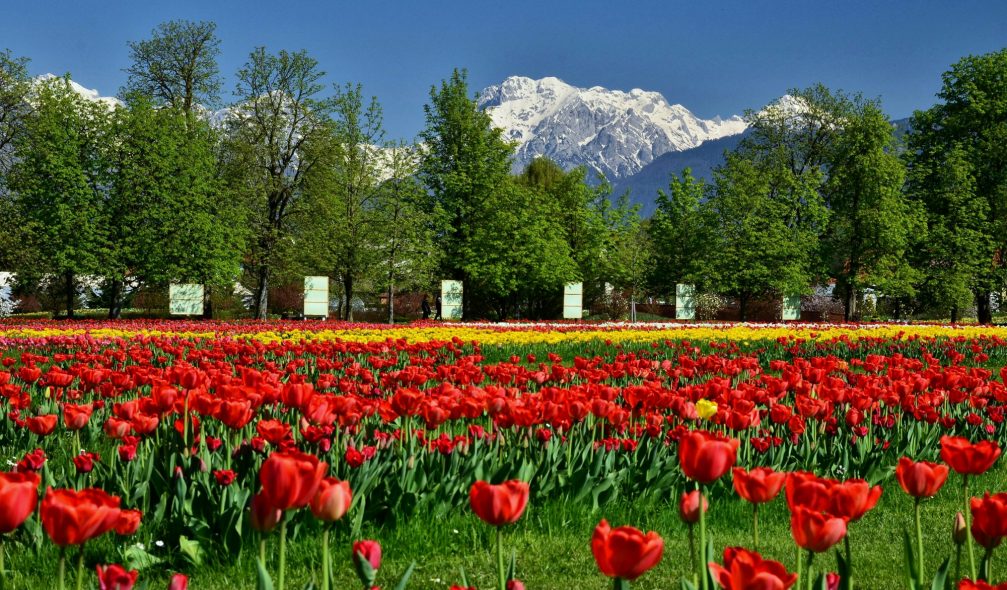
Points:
(425, 307)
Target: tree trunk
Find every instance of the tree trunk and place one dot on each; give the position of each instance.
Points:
(262, 294)
(848, 304)
(348, 294)
(743, 307)
(954, 314)
(208, 303)
(71, 294)
(983, 309)
(115, 300)
(391, 303)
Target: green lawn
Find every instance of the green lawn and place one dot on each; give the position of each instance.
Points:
(553, 549)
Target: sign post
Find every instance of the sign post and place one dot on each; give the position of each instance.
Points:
(185, 299)
(791, 308)
(685, 302)
(573, 301)
(451, 300)
(316, 297)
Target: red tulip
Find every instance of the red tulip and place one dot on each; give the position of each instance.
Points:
(808, 490)
(980, 585)
(921, 479)
(705, 457)
(332, 500)
(115, 577)
(73, 518)
(688, 507)
(129, 522)
(515, 585)
(499, 504)
(369, 551)
(18, 498)
(264, 515)
(853, 498)
(815, 531)
(989, 519)
(758, 486)
(290, 479)
(42, 425)
(969, 458)
(273, 431)
(178, 582)
(76, 417)
(625, 552)
(746, 570)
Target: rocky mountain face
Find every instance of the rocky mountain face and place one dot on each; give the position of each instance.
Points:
(614, 132)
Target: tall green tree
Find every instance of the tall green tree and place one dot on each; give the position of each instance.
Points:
(59, 179)
(15, 85)
(169, 216)
(278, 117)
(684, 236)
(872, 225)
(405, 243)
(466, 162)
(628, 254)
(769, 221)
(969, 125)
(177, 66)
(346, 188)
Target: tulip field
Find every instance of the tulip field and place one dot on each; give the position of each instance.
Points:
(325, 455)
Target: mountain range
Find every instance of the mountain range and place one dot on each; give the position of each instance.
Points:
(636, 139)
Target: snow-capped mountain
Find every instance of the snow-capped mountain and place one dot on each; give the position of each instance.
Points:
(617, 133)
(87, 93)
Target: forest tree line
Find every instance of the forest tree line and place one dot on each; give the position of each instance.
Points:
(294, 176)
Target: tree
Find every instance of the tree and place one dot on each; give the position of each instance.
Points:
(59, 178)
(969, 126)
(683, 234)
(465, 163)
(629, 252)
(769, 221)
(15, 86)
(406, 243)
(345, 184)
(177, 66)
(276, 121)
(170, 218)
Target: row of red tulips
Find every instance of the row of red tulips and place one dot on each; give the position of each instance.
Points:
(822, 510)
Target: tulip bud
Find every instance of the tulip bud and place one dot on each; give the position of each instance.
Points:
(367, 560)
(959, 532)
(515, 585)
(179, 582)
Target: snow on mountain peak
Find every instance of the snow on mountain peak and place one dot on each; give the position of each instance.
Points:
(86, 93)
(614, 132)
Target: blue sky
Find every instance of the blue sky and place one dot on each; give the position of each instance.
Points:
(713, 57)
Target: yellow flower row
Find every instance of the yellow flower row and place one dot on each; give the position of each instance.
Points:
(512, 334)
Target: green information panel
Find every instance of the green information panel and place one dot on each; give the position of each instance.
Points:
(792, 307)
(316, 297)
(451, 300)
(685, 302)
(185, 299)
(573, 301)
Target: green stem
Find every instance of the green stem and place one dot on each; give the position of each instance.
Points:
(325, 558)
(755, 527)
(919, 545)
(620, 584)
(800, 567)
(62, 568)
(958, 563)
(809, 562)
(262, 549)
(702, 540)
(3, 571)
(692, 554)
(80, 568)
(989, 565)
(968, 525)
(283, 553)
(849, 562)
(501, 573)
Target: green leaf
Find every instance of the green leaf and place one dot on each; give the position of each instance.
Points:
(265, 582)
(191, 550)
(911, 570)
(941, 577)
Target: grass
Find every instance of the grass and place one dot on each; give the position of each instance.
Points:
(552, 544)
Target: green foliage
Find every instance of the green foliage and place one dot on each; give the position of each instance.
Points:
(177, 66)
(59, 179)
(684, 233)
(958, 170)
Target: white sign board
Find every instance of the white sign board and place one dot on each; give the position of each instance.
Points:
(792, 307)
(685, 302)
(451, 300)
(316, 297)
(185, 299)
(573, 301)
